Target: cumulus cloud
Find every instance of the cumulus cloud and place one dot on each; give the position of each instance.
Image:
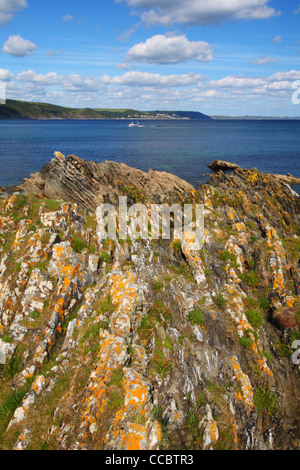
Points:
(282, 76)
(30, 76)
(147, 79)
(237, 82)
(5, 75)
(162, 49)
(263, 61)
(18, 46)
(144, 90)
(8, 8)
(277, 39)
(192, 12)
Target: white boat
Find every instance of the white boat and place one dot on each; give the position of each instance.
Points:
(132, 124)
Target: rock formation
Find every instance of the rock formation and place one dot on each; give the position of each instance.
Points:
(223, 165)
(148, 344)
(218, 165)
(89, 183)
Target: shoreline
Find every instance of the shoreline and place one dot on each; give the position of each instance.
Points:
(215, 167)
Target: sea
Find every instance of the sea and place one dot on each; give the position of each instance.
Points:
(182, 147)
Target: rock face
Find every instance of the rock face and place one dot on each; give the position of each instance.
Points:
(223, 165)
(89, 184)
(288, 179)
(218, 165)
(148, 344)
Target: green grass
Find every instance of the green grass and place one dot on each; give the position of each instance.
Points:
(196, 316)
(10, 404)
(35, 314)
(292, 245)
(177, 245)
(160, 313)
(115, 395)
(219, 300)
(255, 318)
(158, 285)
(21, 202)
(78, 244)
(245, 341)
(159, 362)
(264, 303)
(225, 256)
(251, 278)
(91, 332)
(105, 258)
(266, 401)
(182, 270)
(52, 205)
(158, 414)
(32, 110)
(106, 305)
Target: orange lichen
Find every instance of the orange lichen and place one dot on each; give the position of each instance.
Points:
(246, 395)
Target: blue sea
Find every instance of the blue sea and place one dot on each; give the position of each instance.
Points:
(184, 147)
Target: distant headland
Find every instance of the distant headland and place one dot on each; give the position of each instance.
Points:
(32, 110)
(14, 109)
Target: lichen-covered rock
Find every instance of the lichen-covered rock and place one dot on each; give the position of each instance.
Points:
(149, 344)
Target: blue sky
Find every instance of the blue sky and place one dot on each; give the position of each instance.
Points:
(232, 57)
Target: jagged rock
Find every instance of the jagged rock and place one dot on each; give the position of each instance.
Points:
(37, 290)
(209, 429)
(222, 165)
(149, 344)
(288, 179)
(89, 183)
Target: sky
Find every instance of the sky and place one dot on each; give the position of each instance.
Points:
(219, 57)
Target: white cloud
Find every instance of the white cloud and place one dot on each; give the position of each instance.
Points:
(8, 8)
(30, 76)
(277, 39)
(277, 86)
(147, 79)
(282, 76)
(18, 46)
(263, 61)
(5, 75)
(237, 82)
(68, 18)
(153, 90)
(162, 49)
(204, 12)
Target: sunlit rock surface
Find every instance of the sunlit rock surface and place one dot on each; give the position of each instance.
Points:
(148, 344)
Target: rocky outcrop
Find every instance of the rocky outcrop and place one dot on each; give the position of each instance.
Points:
(90, 184)
(220, 165)
(223, 165)
(149, 344)
(288, 179)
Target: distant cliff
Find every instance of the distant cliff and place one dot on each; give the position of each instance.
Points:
(149, 344)
(27, 110)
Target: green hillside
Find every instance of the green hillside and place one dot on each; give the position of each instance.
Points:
(30, 110)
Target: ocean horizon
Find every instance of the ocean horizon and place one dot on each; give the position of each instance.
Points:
(182, 147)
